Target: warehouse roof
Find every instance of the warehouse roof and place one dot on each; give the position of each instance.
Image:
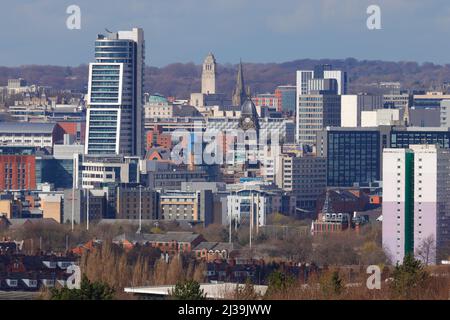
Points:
(164, 237)
(26, 127)
(211, 290)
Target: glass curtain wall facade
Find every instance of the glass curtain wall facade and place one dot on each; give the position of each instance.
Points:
(115, 108)
(353, 157)
(402, 139)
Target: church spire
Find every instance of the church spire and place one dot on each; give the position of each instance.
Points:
(239, 94)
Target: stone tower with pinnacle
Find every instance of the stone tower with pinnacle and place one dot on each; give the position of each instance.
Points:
(209, 75)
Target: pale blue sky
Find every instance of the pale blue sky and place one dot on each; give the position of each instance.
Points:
(34, 32)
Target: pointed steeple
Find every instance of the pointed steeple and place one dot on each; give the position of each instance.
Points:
(239, 94)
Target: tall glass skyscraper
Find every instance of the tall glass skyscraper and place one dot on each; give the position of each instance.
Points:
(115, 94)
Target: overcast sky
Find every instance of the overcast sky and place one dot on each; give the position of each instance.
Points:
(34, 32)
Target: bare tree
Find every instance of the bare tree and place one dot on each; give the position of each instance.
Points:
(426, 250)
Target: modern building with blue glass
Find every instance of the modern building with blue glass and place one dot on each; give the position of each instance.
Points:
(354, 155)
(115, 95)
(287, 97)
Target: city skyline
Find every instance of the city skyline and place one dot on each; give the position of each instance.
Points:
(297, 30)
(315, 179)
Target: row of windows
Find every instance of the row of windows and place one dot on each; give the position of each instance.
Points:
(112, 49)
(117, 43)
(113, 55)
(105, 67)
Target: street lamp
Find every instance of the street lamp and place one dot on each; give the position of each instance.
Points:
(140, 210)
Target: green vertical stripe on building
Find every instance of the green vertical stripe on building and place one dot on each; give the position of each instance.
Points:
(409, 202)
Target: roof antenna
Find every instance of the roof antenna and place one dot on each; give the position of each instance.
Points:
(108, 31)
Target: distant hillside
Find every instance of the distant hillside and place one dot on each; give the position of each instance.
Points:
(180, 79)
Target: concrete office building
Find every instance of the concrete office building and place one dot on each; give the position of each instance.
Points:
(219, 195)
(40, 135)
(429, 100)
(115, 95)
(397, 101)
(318, 101)
(354, 155)
(73, 200)
(195, 206)
(353, 105)
(416, 203)
(304, 176)
(94, 172)
(246, 203)
(304, 78)
(403, 137)
(78, 200)
(424, 117)
(445, 113)
(380, 117)
(314, 113)
(320, 85)
(133, 203)
(340, 77)
(169, 177)
(350, 111)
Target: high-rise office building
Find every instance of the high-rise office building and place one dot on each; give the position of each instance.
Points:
(354, 155)
(304, 176)
(416, 202)
(318, 101)
(303, 77)
(324, 72)
(115, 94)
(340, 77)
(314, 113)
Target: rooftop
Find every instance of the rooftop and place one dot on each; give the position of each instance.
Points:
(212, 290)
(163, 237)
(26, 127)
(214, 246)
